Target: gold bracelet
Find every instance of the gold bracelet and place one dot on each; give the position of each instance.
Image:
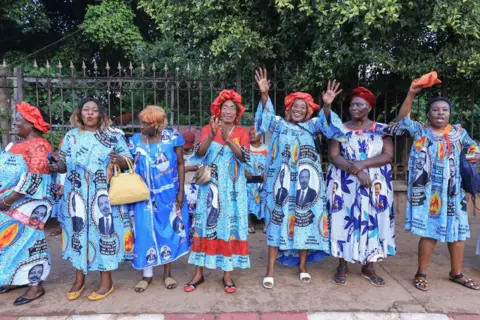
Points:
(5, 203)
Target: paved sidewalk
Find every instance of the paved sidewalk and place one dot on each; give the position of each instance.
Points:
(396, 300)
(263, 316)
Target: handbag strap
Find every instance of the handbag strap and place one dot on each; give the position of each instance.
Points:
(305, 129)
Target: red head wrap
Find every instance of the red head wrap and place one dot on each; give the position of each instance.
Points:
(33, 115)
(290, 99)
(366, 95)
(225, 95)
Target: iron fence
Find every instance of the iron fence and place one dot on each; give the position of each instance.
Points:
(184, 94)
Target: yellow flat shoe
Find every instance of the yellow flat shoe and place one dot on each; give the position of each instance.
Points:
(75, 295)
(95, 296)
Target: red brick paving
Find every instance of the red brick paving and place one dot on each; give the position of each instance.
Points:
(465, 317)
(183, 316)
(238, 316)
(283, 316)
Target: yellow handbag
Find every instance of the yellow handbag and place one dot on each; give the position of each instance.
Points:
(127, 187)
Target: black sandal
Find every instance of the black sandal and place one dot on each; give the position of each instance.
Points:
(421, 284)
(469, 283)
(8, 289)
(375, 280)
(190, 287)
(340, 280)
(22, 300)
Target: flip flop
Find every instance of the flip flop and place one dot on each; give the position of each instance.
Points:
(251, 230)
(169, 281)
(305, 275)
(141, 286)
(268, 282)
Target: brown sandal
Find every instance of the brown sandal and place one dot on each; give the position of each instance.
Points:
(469, 283)
(421, 282)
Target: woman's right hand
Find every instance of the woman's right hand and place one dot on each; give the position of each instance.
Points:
(364, 179)
(413, 89)
(262, 80)
(213, 127)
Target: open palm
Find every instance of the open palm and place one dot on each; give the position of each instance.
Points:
(262, 80)
(331, 93)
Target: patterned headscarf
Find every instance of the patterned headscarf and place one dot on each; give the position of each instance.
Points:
(225, 95)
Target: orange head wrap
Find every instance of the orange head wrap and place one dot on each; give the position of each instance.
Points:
(33, 115)
(225, 95)
(290, 99)
(366, 95)
(154, 115)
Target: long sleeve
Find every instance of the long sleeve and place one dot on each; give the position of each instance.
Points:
(331, 126)
(265, 119)
(415, 128)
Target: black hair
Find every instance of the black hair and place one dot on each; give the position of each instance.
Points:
(436, 99)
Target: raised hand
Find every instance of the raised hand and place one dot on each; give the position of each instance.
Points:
(213, 127)
(331, 93)
(262, 80)
(225, 132)
(414, 90)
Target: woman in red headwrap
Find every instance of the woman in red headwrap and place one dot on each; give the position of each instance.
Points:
(359, 192)
(220, 237)
(25, 205)
(297, 224)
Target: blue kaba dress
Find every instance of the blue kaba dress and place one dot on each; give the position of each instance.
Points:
(437, 204)
(24, 256)
(161, 230)
(256, 167)
(362, 221)
(95, 235)
(294, 201)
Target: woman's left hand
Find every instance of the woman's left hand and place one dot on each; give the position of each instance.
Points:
(473, 158)
(179, 199)
(116, 158)
(331, 93)
(3, 206)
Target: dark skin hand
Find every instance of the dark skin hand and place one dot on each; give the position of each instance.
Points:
(181, 177)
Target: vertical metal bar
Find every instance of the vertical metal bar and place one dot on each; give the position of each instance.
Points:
(473, 110)
(200, 104)
(172, 97)
(4, 107)
(395, 139)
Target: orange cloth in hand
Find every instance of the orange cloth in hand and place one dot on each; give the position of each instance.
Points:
(428, 80)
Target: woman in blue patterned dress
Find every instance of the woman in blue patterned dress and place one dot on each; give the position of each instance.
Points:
(220, 237)
(437, 204)
(359, 192)
(25, 205)
(255, 174)
(161, 224)
(297, 219)
(93, 232)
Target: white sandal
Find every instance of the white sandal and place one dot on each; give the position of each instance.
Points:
(305, 275)
(268, 280)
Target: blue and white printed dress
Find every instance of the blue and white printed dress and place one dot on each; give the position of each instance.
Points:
(95, 235)
(362, 220)
(296, 215)
(437, 204)
(161, 230)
